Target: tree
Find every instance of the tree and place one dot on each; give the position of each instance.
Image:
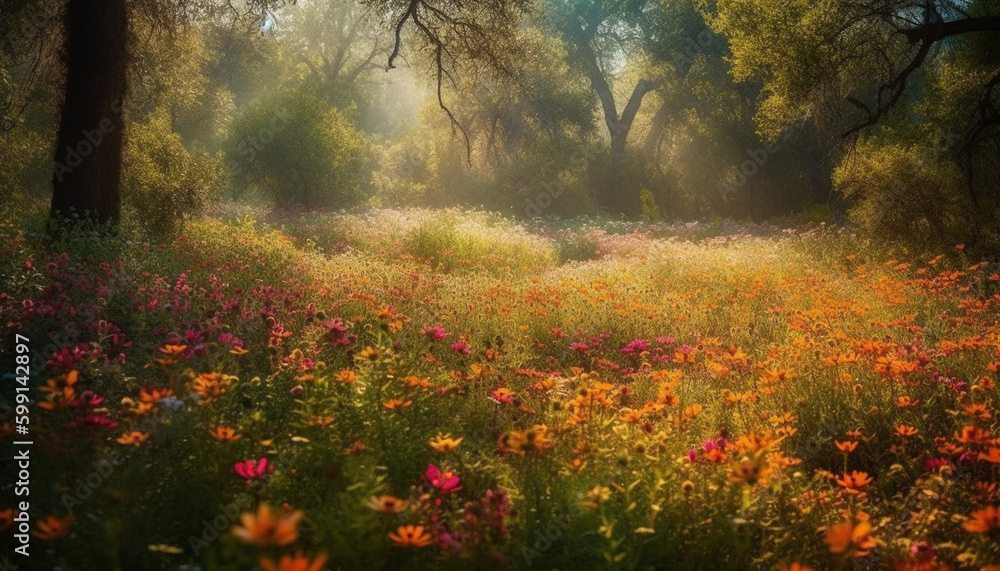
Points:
(865, 53)
(87, 176)
(599, 34)
(88, 159)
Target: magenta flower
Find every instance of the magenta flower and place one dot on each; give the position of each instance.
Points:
(435, 333)
(252, 469)
(461, 347)
(444, 481)
(636, 346)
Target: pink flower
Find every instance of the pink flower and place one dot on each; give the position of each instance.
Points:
(636, 346)
(461, 347)
(579, 346)
(252, 469)
(435, 333)
(444, 481)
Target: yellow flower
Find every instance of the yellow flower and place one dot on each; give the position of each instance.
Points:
(528, 441)
(444, 443)
(369, 353)
(596, 496)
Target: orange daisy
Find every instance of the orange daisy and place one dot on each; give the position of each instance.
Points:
(411, 536)
(264, 529)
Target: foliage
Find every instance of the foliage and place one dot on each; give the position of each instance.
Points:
(736, 401)
(165, 183)
(298, 151)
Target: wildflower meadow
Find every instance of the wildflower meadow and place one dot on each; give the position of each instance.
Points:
(444, 389)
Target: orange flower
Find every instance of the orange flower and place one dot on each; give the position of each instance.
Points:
(411, 536)
(6, 519)
(993, 457)
(60, 391)
(387, 504)
(534, 439)
(972, 434)
(53, 527)
(396, 404)
(346, 376)
(691, 412)
(133, 438)
(151, 395)
(265, 530)
(850, 539)
(225, 434)
(854, 481)
(795, 567)
(750, 470)
(846, 447)
(905, 430)
(298, 562)
(444, 443)
(983, 521)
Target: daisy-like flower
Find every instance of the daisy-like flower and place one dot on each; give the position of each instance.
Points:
(532, 440)
(369, 354)
(445, 481)
(297, 562)
(411, 536)
(444, 443)
(854, 481)
(265, 529)
(253, 469)
(846, 447)
(397, 404)
(53, 527)
(387, 504)
(346, 376)
(850, 539)
(225, 434)
(983, 521)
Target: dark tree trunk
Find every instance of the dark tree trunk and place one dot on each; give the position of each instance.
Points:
(87, 178)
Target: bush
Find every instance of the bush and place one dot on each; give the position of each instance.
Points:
(900, 197)
(163, 182)
(298, 152)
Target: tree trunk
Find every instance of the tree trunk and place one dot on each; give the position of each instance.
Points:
(86, 182)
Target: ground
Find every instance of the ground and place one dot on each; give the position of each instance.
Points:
(445, 389)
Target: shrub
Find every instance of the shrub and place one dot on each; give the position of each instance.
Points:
(163, 182)
(299, 152)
